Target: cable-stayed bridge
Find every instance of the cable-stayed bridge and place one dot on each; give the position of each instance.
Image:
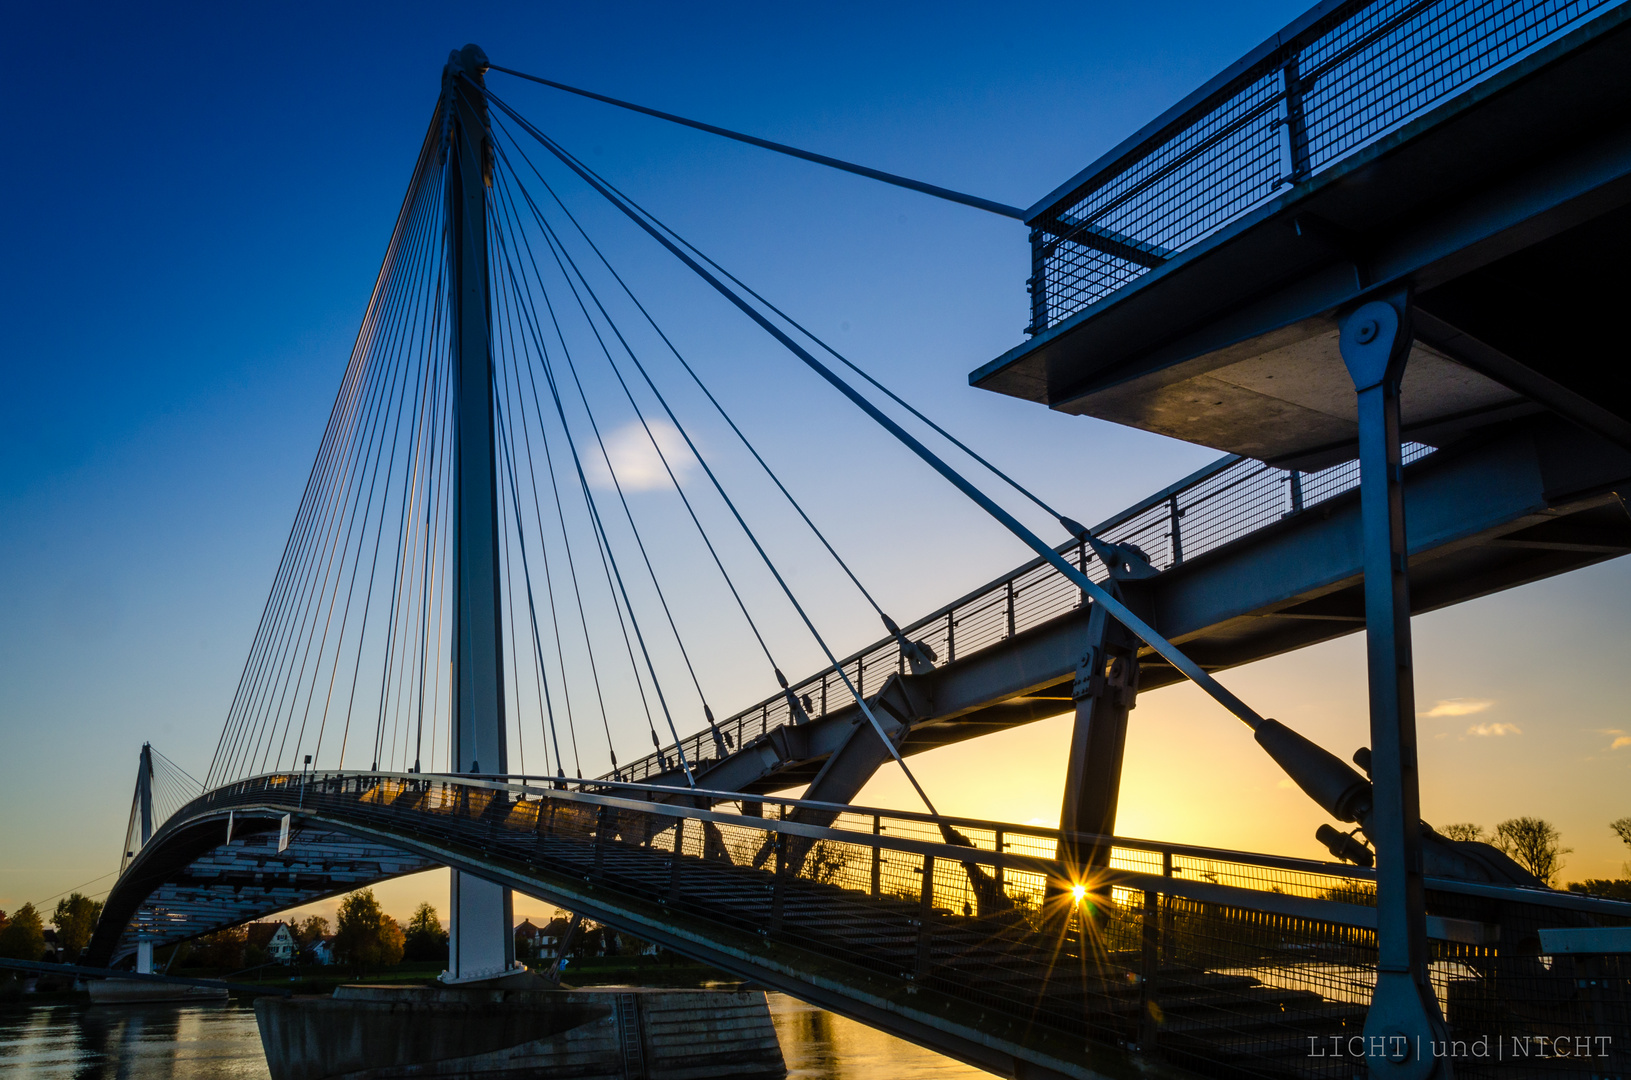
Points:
(470, 579)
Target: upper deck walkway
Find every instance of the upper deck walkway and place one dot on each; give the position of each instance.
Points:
(1477, 155)
(1251, 561)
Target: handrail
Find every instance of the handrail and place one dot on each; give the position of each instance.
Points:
(970, 852)
(1224, 501)
(1335, 81)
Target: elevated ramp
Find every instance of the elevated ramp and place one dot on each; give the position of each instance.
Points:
(1175, 961)
(1252, 561)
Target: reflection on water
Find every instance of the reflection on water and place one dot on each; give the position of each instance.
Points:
(821, 1046)
(132, 1042)
(220, 1042)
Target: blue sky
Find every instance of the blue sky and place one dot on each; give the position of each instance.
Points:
(197, 200)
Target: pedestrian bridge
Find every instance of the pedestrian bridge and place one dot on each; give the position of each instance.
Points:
(1253, 272)
(970, 937)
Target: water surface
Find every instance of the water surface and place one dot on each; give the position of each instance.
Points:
(220, 1042)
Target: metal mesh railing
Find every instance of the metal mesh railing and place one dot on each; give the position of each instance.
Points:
(1224, 502)
(1348, 78)
(1246, 965)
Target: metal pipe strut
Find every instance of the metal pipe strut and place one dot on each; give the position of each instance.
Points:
(1375, 344)
(988, 205)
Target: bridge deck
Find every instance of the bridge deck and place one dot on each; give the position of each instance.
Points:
(1253, 561)
(962, 936)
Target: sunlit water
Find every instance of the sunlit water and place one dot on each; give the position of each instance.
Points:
(220, 1042)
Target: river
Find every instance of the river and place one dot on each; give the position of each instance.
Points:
(220, 1042)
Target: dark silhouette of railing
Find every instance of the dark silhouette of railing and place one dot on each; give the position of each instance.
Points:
(1227, 500)
(1221, 959)
(1342, 77)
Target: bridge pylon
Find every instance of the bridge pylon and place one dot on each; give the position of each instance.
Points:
(481, 944)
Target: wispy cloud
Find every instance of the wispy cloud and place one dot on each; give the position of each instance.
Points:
(1458, 706)
(635, 461)
(1494, 729)
(1621, 739)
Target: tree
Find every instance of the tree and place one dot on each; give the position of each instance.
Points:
(366, 938)
(1465, 830)
(1622, 829)
(224, 949)
(826, 863)
(24, 935)
(425, 939)
(75, 920)
(311, 930)
(1534, 843)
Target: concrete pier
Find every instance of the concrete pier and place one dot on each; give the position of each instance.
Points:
(381, 1032)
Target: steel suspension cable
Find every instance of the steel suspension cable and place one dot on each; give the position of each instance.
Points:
(938, 192)
(307, 551)
(542, 677)
(1070, 525)
(855, 693)
(380, 281)
(1139, 627)
(530, 315)
(729, 420)
(388, 358)
(608, 553)
(650, 570)
(379, 528)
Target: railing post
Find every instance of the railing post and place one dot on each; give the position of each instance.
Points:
(877, 856)
(1149, 970)
(925, 916)
(1168, 952)
(951, 636)
(674, 863)
(1038, 283)
(1293, 130)
(1081, 564)
(600, 841)
(778, 888)
(1010, 589)
(998, 874)
(1173, 515)
(1296, 482)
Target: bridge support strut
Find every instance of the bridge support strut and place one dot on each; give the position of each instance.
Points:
(1105, 691)
(481, 944)
(1404, 1019)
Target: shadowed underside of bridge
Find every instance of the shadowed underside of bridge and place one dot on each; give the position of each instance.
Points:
(1264, 572)
(963, 936)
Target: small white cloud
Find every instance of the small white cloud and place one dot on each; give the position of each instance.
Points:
(1621, 739)
(1494, 729)
(1286, 783)
(635, 460)
(1458, 706)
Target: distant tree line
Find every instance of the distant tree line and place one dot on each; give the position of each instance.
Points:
(22, 933)
(1537, 845)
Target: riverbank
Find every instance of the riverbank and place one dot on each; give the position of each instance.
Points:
(221, 1042)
